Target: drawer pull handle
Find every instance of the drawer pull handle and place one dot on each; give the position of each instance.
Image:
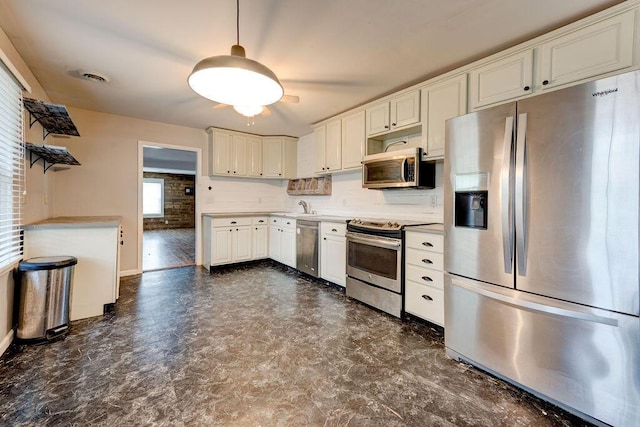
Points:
(427, 297)
(262, 220)
(288, 223)
(233, 222)
(427, 244)
(427, 261)
(334, 230)
(427, 279)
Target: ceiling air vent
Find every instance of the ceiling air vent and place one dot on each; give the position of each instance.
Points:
(93, 76)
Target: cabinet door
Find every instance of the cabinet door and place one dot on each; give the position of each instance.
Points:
(221, 246)
(507, 78)
(242, 243)
(378, 119)
(320, 144)
(260, 242)
(275, 243)
(333, 259)
(597, 49)
(405, 110)
(333, 151)
(239, 157)
(441, 102)
(254, 156)
(221, 153)
(288, 247)
(353, 140)
(272, 149)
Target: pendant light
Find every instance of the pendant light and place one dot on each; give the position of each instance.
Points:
(234, 79)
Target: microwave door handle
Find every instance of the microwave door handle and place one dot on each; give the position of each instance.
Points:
(521, 195)
(507, 196)
(403, 170)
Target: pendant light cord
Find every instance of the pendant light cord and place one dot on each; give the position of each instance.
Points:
(238, 22)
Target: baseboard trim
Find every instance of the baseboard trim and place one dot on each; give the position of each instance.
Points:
(6, 342)
(128, 273)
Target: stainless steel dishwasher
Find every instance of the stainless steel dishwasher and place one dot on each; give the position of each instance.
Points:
(307, 247)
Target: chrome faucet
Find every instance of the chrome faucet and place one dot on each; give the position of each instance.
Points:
(304, 205)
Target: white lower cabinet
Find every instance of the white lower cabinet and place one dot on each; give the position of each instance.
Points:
(333, 256)
(424, 276)
(282, 240)
(260, 237)
(233, 239)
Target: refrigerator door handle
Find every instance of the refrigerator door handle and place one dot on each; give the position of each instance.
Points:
(536, 306)
(506, 192)
(521, 195)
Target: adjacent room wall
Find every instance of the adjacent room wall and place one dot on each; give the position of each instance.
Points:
(179, 207)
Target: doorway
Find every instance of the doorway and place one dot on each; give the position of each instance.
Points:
(167, 223)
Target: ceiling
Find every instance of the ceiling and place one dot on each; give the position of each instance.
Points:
(333, 54)
(168, 160)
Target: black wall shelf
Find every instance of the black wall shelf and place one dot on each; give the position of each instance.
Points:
(54, 118)
(50, 155)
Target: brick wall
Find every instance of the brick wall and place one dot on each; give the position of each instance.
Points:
(179, 208)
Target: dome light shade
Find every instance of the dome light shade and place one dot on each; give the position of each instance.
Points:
(235, 80)
(248, 110)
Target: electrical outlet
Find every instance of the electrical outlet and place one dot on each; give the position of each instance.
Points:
(434, 201)
(46, 199)
(166, 221)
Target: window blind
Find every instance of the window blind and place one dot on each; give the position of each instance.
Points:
(11, 168)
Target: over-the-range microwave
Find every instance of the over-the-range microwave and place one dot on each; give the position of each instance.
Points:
(398, 169)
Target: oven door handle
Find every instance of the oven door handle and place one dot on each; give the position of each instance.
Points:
(375, 241)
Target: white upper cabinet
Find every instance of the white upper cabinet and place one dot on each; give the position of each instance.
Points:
(254, 156)
(220, 148)
(353, 140)
(239, 155)
(440, 102)
(405, 110)
(597, 49)
(279, 157)
(328, 147)
(378, 119)
(394, 114)
(507, 78)
(242, 154)
(333, 150)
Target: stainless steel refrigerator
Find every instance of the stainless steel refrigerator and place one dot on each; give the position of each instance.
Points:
(541, 247)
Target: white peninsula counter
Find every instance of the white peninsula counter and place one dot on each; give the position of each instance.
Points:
(95, 242)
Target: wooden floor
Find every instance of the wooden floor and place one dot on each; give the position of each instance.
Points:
(168, 248)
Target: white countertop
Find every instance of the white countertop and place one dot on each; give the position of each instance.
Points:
(76, 222)
(294, 215)
(429, 228)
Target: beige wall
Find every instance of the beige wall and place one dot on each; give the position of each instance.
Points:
(37, 184)
(106, 183)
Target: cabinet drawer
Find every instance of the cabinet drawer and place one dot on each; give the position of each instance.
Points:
(426, 241)
(425, 302)
(333, 229)
(260, 220)
(275, 220)
(287, 223)
(226, 222)
(426, 259)
(425, 276)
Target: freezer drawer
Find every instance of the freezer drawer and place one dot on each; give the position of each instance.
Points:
(585, 359)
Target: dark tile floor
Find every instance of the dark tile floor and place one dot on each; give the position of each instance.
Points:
(252, 346)
(170, 248)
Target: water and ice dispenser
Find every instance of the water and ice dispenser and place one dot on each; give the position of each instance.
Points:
(471, 200)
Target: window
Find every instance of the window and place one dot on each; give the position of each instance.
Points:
(11, 168)
(152, 197)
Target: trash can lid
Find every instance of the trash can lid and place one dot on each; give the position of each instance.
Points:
(47, 263)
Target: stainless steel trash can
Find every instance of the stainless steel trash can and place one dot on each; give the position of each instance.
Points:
(45, 289)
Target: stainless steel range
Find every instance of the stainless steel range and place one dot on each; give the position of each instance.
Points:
(374, 263)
